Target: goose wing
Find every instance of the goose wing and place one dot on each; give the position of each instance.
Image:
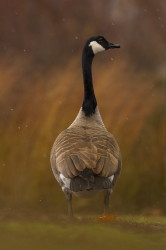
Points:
(78, 148)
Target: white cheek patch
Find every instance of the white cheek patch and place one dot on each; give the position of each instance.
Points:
(65, 180)
(96, 47)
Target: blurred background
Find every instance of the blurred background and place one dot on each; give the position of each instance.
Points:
(41, 92)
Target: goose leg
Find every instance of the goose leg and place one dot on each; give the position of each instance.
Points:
(69, 204)
(106, 200)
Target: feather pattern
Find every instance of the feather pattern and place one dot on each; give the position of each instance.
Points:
(85, 144)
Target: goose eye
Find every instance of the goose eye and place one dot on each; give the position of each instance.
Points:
(100, 40)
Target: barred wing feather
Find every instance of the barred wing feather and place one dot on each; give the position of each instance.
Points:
(79, 147)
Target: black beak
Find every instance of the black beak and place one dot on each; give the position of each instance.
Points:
(113, 46)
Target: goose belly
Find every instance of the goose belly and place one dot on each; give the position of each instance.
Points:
(87, 193)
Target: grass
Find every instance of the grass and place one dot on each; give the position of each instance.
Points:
(126, 233)
(37, 107)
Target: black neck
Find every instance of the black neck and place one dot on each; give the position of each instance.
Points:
(89, 102)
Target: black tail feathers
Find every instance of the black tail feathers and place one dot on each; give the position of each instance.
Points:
(87, 174)
(87, 180)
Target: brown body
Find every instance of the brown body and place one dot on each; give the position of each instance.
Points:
(85, 144)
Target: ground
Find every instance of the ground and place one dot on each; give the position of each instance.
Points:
(120, 233)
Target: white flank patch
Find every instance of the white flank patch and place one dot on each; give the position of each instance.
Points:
(111, 178)
(96, 47)
(65, 180)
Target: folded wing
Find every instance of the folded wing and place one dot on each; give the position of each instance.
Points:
(78, 148)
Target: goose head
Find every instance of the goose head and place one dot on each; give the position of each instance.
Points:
(98, 44)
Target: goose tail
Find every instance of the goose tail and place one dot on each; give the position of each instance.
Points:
(87, 180)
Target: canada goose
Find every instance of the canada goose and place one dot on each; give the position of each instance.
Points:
(85, 158)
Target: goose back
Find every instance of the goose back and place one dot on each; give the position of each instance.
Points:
(85, 144)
